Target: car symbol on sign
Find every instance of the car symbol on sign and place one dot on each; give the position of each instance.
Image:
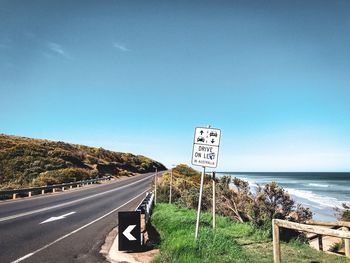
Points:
(200, 139)
(211, 156)
(213, 134)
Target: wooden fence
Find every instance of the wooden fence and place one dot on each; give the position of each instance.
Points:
(316, 227)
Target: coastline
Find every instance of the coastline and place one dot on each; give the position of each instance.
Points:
(321, 192)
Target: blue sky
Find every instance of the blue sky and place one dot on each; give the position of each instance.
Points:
(139, 76)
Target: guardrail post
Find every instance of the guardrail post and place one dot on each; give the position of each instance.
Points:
(276, 242)
(53, 190)
(14, 196)
(320, 242)
(29, 194)
(42, 191)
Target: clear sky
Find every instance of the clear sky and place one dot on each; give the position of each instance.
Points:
(139, 76)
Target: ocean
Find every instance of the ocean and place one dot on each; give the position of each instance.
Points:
(321, 192)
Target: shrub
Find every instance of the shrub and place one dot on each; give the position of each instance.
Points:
(61, 176)
(344, 213)
(234, 199)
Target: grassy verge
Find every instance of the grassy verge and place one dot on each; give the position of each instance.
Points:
(230, 242)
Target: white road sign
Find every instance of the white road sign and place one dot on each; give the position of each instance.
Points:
(206, 147)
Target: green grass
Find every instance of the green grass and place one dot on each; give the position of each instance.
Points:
(230, 242)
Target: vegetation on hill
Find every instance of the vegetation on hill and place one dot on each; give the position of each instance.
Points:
(231, 241)
(32, 162)
(234, 198)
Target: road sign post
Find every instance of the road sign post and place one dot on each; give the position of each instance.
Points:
(171, 185)
(214, 200)
(199, 204)
(205, 153)
(129, 229)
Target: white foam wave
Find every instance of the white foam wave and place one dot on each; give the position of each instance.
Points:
(252, 183)
(322, 201)
(315, 200)
(318, 185)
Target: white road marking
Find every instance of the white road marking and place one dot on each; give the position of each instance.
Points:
(70, 202)
(23, 258)
(127, 232)
(76, 230)
(55, 218)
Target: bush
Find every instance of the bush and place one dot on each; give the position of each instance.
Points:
(344, 213)
(234, 199)
(62, 176)
(336, 247)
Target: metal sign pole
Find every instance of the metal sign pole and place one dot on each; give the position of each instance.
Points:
(199, 203)
(214, 201)
(171, 184)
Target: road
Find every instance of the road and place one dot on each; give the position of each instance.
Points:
(77, 222)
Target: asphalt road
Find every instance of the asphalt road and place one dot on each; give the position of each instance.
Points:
(85, 217)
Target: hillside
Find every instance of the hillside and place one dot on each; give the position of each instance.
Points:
(33, 162)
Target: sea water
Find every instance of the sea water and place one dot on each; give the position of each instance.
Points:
(321, 192)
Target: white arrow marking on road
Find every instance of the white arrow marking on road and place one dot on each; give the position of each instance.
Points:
(54, 218)
(127, 232)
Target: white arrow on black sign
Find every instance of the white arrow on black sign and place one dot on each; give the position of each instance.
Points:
(127, 232)
(54, 218)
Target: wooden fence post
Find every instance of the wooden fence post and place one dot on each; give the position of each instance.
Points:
(320, 242)
(347, 246)
(276, 242)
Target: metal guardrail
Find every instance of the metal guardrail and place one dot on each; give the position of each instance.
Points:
(133, 225)
(8, 194)
(145, 206)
